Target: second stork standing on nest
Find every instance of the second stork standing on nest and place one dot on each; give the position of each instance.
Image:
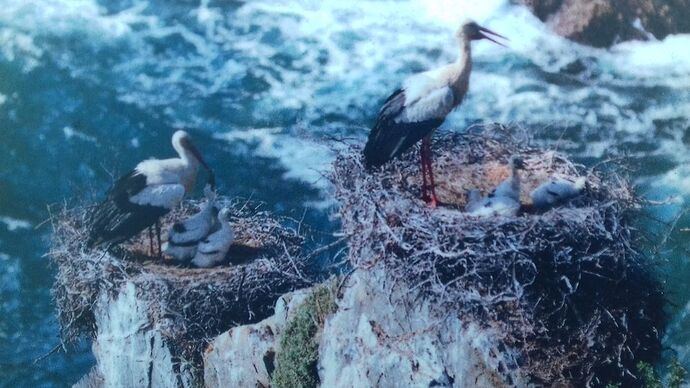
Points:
(141, 197)
(420, 106)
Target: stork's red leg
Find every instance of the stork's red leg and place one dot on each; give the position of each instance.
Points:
(150, 241)
(428, 189)
(425, 185)
(158, 235)
(430, 168)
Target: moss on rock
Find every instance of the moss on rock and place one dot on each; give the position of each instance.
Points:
(299, 346)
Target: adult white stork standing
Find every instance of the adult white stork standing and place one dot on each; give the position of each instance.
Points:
(138, 199)
(184, 236)
(415, 110)
(504, 200)
(213, 249)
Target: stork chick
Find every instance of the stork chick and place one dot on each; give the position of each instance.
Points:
(556, 191)
(183, 237)
(505, 199)
(213, 249)
(415, 110)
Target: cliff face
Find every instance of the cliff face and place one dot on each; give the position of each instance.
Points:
(370, 341)
(129, 349)
(245, 355)
(367, 342)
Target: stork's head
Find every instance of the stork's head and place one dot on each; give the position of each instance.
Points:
(182, 143)
(470, 30)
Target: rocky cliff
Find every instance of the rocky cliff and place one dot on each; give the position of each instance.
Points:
(367, 342)
(601, 23)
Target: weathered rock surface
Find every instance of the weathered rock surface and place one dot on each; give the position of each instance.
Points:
(368, 342)
(601, 23)
(245, 355)
(90, 380)
(371, 342)
(129, 350)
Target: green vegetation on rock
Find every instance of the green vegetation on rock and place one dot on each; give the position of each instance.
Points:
(677, 374)
(299, 346)
(650, 378)
(648, 375)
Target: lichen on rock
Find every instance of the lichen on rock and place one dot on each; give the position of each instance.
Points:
(280, 351)
(246, 355)
(299, 346)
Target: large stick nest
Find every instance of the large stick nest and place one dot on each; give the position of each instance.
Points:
(566, 289)
(189, 306)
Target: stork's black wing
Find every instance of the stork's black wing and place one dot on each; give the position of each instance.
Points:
(388, 139)
(116, 219)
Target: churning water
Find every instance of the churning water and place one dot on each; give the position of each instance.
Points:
(88, 88)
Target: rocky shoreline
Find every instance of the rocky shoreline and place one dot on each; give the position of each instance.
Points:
(602, 23)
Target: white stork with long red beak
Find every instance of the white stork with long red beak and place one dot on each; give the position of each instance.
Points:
(141, 197)
(420, 106)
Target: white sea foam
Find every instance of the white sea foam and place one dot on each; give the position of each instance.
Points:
(678, 334)
(303, 159)
(13, 224)
(73, 133)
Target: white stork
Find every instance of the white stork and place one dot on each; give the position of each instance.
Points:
(213, 249)
(556, 191)
(183, 237)
(141, 197)
(505, 199)
(415, 110)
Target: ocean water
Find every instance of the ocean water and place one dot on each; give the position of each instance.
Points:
(88, 88)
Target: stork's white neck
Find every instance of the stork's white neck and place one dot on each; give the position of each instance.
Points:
(461, 69)
(186, 155)
(464, 61)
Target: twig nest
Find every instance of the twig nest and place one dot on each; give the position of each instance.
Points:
(189, 305)
(565, 288)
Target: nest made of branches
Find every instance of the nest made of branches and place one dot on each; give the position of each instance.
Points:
(566, 288)
(190, 306)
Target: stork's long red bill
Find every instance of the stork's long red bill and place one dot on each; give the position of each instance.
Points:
(485, 31)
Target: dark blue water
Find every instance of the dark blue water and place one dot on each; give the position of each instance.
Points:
(89, 88)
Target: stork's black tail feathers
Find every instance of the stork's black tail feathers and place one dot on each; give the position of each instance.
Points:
(117, 219)
(390, 136)
(389, 139)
